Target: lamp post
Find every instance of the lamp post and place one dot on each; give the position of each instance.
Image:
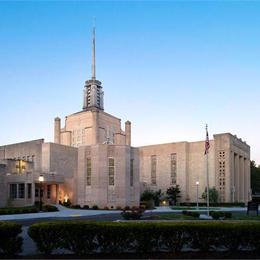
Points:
(41, 180)
(197, 184)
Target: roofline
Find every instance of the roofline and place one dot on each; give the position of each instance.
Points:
(41, 140)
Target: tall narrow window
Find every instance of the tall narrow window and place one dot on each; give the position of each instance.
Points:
(21, 190)
(173, 168)
(222, 175)
(48, 191)
(29, 190)
(13, 191)
(111, 171)
(132, 172)
(88, 171)
(153, 169)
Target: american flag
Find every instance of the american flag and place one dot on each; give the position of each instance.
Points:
(207, 145)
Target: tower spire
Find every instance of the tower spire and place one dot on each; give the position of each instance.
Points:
(93, 93)
(93, 65)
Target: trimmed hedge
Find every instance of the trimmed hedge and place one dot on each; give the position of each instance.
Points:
(221, 204)
(83, 237)
(191, 213)
(22, 210)
(10, 241)
(49, 208)
(220, 214)
(132, 214)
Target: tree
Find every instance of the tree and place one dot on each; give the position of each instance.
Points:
(173, 193)
(213, 195)
(149, 195)
(255, 177)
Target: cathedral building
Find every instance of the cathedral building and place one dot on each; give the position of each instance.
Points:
(91, 162)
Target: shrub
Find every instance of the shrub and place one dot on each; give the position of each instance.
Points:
(86, 237)
(106, 208)
(95, 207)
(149, 204)
(49, 208)
(86, 207)
(67, 204)
(220, 214)
(127, 208)
(119, 208)
(132, 214)
(10, 241)
(22, 210)
(77, 206)
(191, 213)
(220, 204)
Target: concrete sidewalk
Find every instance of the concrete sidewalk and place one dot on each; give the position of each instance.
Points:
(62, 213)
(67, 213)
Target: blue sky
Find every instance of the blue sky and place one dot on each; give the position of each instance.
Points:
(169, 67)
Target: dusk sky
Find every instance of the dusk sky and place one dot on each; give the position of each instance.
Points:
(168, 67)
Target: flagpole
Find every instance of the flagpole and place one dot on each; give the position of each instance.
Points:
(207, 173)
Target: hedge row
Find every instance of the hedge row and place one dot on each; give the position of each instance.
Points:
(29, 209)
(10, 241)
(221, 204)
(84, 237)
(22, 210)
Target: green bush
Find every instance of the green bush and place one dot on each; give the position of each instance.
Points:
(49, 208)
(85, 237)
(220, 214)
(132, 214)
(22, 210)
(220, 204)
(10, 241)
(86, 207)
(66, 204)
(149, 204)
(191, 213)
(95, 207)
(77, 206)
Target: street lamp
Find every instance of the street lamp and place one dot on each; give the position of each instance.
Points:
(197, 184)
(41, 180)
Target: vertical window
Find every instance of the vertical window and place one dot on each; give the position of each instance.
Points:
(48, 191)
(88, 171)
(21, 190)
(36, 193)
(132, 172)
(153, 169)
(13, 191)
(29, 190)
(173, 168)
(222, 175)
(111, 171)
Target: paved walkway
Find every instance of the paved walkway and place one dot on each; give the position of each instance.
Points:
(70, 213)
(62, 213)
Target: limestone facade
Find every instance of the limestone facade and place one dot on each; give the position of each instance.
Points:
(184, 163)
(92, 162)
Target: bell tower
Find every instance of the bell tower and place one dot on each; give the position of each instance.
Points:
(93, 93)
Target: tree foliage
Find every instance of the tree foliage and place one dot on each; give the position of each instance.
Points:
(213, 195)
(173, 193)
(255, 177)
(148, 195)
